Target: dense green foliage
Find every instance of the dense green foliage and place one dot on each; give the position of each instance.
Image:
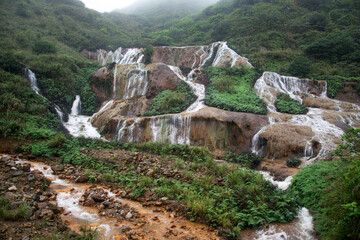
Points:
(172, 101)
(285, 104)
(232, 89)
(331, 190)
(249, 160)
(273, 33)
(148, 52)
(23, 112)
(41, 47)
(293, 162)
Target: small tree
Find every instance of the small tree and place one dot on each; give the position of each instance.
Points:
(299, 67)
(43, 46)
(148, 52)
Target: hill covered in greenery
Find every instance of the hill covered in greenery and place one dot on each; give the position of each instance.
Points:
(305, 38)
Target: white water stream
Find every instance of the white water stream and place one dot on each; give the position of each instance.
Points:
(80, 125)
(328, 134)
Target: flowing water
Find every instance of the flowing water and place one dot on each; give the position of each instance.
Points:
(34, 86)
(151, 223)
(328, 134)
(80, 125)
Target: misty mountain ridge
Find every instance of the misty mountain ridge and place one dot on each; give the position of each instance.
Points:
(168, 8)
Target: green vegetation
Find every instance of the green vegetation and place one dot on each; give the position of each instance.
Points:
(41, 47)
(172, 101)
(276, 35)
(148, 52)
(232, 89)
(243, 200)
(23, 112)
(13, 214)
(331, 190)
(285, 104)
(249, 160)
(292, 162)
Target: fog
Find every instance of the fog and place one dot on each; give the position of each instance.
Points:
(146, 6)
(107, 5)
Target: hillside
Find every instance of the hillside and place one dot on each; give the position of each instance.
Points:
(277, 35)
(161, 11)
(112, 126)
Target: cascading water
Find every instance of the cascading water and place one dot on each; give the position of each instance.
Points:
(79, 125)
(199, 90)
(326, 133)
(301, 228)
(137, 83)
(174, 129)
(33, 81)
(35, 88)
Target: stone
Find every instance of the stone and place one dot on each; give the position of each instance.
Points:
(46, 213)
(128, 215)
(10, 196)
(43, 198)
(98, 197)
(58, 168)
(26, 167)
(31, 177)
(82, 179)
(150, 173)
(89, 202)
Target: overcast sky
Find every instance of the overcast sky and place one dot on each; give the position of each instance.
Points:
(107, 5)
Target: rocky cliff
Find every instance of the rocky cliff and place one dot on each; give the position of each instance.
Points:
(127, 88)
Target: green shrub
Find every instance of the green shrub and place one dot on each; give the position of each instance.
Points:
(231, 89)
(292, 162)
(333, 47)
(172, 101)
(43, 46)
(250, 160)
(148, 52)
(285, 104)
(330, 189)
(9, 63)
(299, 67)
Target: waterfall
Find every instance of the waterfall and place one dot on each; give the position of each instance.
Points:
(35, 88)
(59, 113)
(120, 130)
(199, 90)
(76, 107)
(33, 81)
(301, 229)
(324, 131)
(173, 129)
(79, 125)
(136, 84)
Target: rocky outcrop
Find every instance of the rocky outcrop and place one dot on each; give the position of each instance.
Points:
(160, 78)
(101, 84)
(215, 54)
(329, 104)
(349, 93)
(286, 141)
(216, 129)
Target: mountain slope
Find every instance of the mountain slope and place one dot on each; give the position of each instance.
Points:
(161, 11)
(275, 33)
